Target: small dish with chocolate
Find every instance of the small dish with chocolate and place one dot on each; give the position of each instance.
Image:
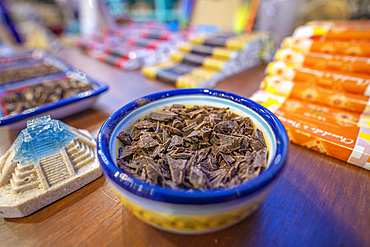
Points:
(192, 161)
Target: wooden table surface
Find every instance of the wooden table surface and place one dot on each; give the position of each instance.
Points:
(317, 201)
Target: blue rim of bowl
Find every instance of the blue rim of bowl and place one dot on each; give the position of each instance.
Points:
(98, 88)
(183, 196)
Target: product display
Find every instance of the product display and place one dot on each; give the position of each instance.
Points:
(215, 131)
(318, 86)
(226, 55)
(138, 45)
(17, 100)
(42, 84)
(319, 128)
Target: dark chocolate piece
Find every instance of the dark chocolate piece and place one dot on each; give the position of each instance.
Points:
(162, 116)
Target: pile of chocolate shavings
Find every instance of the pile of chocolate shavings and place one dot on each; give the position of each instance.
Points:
(193, 148)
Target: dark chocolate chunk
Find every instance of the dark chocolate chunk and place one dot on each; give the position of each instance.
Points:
(162, 116)
(261, 158)
(258, 135)
(145, 125)
(176, 141)
(178, 124)
(124, 138)
(124, 152)
(172, 130)
(135, 134)
(228, 158)
(196, 178)
(188, 129)
(181, 156)
(146, 141)
(177, 168)
(195, 113)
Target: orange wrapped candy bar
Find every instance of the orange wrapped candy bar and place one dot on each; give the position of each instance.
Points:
(310, 93)
(335, 31)
(347, 48)
(312, 127)
(356, 83)
(324, 61)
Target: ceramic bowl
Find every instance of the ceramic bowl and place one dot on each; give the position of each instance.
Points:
(183, 211)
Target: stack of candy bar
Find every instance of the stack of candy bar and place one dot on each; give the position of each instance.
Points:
(318, 86)
(132, 46)
(207, 59)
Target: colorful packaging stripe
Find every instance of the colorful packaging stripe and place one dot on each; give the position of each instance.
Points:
(216, 52)
(324, 61)
(232, 41)
(178, 79)
(345, 48)
(122, 63)
(316, 94)
(359, 31)
(198, 60)
(356, 83)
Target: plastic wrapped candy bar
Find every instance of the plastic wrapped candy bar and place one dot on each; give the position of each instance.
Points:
(47, 161)
(356, 83)
(357, 30)
(182, 76)
(204, 61)
(126, 64)
(324, 61)
(216, 52)
(210, 77)
(232, 41)
(346, 48)
(315, 94)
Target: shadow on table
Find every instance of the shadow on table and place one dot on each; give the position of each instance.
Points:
(286, 218)
(62, 204)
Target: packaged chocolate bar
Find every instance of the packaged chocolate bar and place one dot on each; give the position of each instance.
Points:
(346, 48)
(161, 35)
(177, 79)
(356, 83)
(216, 52)
(313, 127)
(312, 93)
(158, 45)
(232, 41)
(129, 52)
(182, 75)
(126, 64)
(355, 31)
(201, 60)
(324, 61)
(338, 23)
